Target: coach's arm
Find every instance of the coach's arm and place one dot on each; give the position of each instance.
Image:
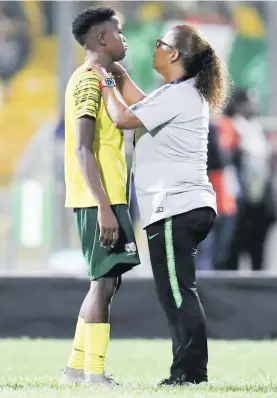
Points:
(151, 112)
(122, 117)
(130, 92)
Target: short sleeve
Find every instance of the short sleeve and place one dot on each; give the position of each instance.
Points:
(158, 108)
(87, 95)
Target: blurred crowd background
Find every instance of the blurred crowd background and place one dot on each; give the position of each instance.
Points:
(38, 54)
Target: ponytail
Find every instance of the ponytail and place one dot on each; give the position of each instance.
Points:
(212, 80)
(201, 62)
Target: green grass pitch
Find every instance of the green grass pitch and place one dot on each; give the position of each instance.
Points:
(32, 368)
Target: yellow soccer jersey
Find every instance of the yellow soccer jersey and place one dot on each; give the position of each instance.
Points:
(83, 97)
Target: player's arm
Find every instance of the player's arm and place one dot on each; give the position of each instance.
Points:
(87, 101)
(86, 158)
(130, 92)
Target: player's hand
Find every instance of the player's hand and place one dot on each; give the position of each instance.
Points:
(109, 228)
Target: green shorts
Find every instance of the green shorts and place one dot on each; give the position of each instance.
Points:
(101, 261)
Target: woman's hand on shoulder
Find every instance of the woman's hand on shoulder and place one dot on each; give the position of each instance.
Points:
(97, 68)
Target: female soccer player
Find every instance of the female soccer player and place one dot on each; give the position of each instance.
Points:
(176, 200)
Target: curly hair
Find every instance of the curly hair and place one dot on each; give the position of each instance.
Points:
(87, 18)
(201, 62)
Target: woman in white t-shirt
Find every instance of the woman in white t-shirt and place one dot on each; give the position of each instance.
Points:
(176, 200)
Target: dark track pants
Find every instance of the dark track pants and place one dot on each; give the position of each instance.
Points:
(173, 246)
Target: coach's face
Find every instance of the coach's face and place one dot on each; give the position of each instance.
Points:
(165, 53)
(115, 41)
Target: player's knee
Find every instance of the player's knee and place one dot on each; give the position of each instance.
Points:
(109, 289)
(106, 288)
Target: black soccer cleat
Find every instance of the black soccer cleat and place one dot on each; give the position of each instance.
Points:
(184, 380)
(171, 381)
(197, 379)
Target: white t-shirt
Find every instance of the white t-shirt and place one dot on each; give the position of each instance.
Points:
(255, 157)
(170, 162)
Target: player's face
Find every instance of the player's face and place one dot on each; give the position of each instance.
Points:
(163, 51)
(116, 43)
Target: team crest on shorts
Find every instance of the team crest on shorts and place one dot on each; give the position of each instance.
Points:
(131, 248)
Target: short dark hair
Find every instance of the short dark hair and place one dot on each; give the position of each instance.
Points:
(90, 17)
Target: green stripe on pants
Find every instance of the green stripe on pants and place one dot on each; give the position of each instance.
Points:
(171, 262)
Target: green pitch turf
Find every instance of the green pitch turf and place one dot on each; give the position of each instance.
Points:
(31, 368)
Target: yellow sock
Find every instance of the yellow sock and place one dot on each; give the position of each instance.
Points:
(97, 336)
(77, 357)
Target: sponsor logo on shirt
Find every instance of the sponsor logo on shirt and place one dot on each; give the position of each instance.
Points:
(159, 210)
